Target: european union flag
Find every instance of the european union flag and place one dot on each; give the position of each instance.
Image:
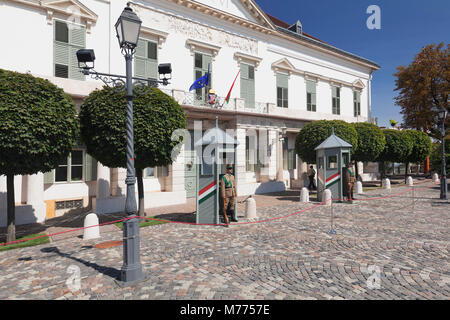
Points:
(201, 82)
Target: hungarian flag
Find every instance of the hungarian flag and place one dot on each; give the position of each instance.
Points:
(227, 99)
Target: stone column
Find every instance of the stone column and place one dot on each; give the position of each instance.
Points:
(273, 142)
(35, 195)
(175, 181)
(240, 157)
(103, 181)
(279, 158)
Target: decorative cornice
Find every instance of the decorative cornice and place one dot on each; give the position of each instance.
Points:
(63, 7)
(247, 58)
(285, 65)
(162, 36)
(267, 27)
(264, 24)
(194, 44)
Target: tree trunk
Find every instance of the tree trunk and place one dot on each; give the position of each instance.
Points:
(406, 171)
(140, 185)
(11, 223)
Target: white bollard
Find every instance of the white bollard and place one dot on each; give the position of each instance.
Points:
(93, 232)
(386, 184)
(410, 181)
(359, 187)
(435, 177)
(326, 199)
(250, 208)
(304, 195)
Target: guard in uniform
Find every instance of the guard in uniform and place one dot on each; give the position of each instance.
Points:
(350, 180)
(228, 194)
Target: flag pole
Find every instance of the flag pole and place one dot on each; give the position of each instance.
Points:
(229, 92)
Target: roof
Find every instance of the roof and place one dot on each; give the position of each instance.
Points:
(283, 27)
(332, 142)
(210, 138)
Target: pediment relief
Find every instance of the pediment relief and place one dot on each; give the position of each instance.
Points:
(242, 12)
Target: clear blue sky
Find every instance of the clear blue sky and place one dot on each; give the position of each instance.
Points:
(406, 27)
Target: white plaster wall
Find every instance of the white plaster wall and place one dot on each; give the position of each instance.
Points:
(109, 58)
(26, 29)
(58, 191)
(231, 6)
(34, 53)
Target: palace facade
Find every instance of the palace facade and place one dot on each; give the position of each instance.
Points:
(287, 78)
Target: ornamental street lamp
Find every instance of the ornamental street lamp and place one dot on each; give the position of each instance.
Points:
(442, 116)
(128, 28)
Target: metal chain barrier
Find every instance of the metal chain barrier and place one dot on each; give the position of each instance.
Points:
(234, 224)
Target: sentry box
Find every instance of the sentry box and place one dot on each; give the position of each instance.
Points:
(218, 149)
(332, 157)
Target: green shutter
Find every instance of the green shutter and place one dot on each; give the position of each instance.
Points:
(61, 53)
(77, 40)
(144, 66)
(248, 85)
(207, 60)
(77, 35)
(49, 177)
(282, 80)
(139, 67)
(310, 86)
(152, 69)
(91, 168)
(74, 71)
(141, 49)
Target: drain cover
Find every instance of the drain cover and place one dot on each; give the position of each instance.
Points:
(108, 244)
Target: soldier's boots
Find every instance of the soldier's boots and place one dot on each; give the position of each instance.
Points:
(232, 216)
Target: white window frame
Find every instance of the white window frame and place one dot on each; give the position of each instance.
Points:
(69, 169)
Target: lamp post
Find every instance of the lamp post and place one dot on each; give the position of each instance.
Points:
(442, 115)
(128, 29)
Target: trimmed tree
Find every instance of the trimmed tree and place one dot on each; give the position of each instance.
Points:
(436, 157)
(103, 129)
(314, 133)
(398, 148)
(371, 142)
(38, 128)
(421, 148)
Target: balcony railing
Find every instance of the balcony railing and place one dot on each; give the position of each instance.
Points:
(192, 99)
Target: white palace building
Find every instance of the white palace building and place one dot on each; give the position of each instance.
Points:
(287, 79)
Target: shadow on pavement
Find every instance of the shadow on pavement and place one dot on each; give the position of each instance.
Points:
(107, 271)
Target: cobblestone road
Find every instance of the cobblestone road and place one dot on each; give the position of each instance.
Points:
(402, 243)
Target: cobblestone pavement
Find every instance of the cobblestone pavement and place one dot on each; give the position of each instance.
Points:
(400, 242)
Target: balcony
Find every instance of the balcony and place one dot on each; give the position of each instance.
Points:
(190, 99)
